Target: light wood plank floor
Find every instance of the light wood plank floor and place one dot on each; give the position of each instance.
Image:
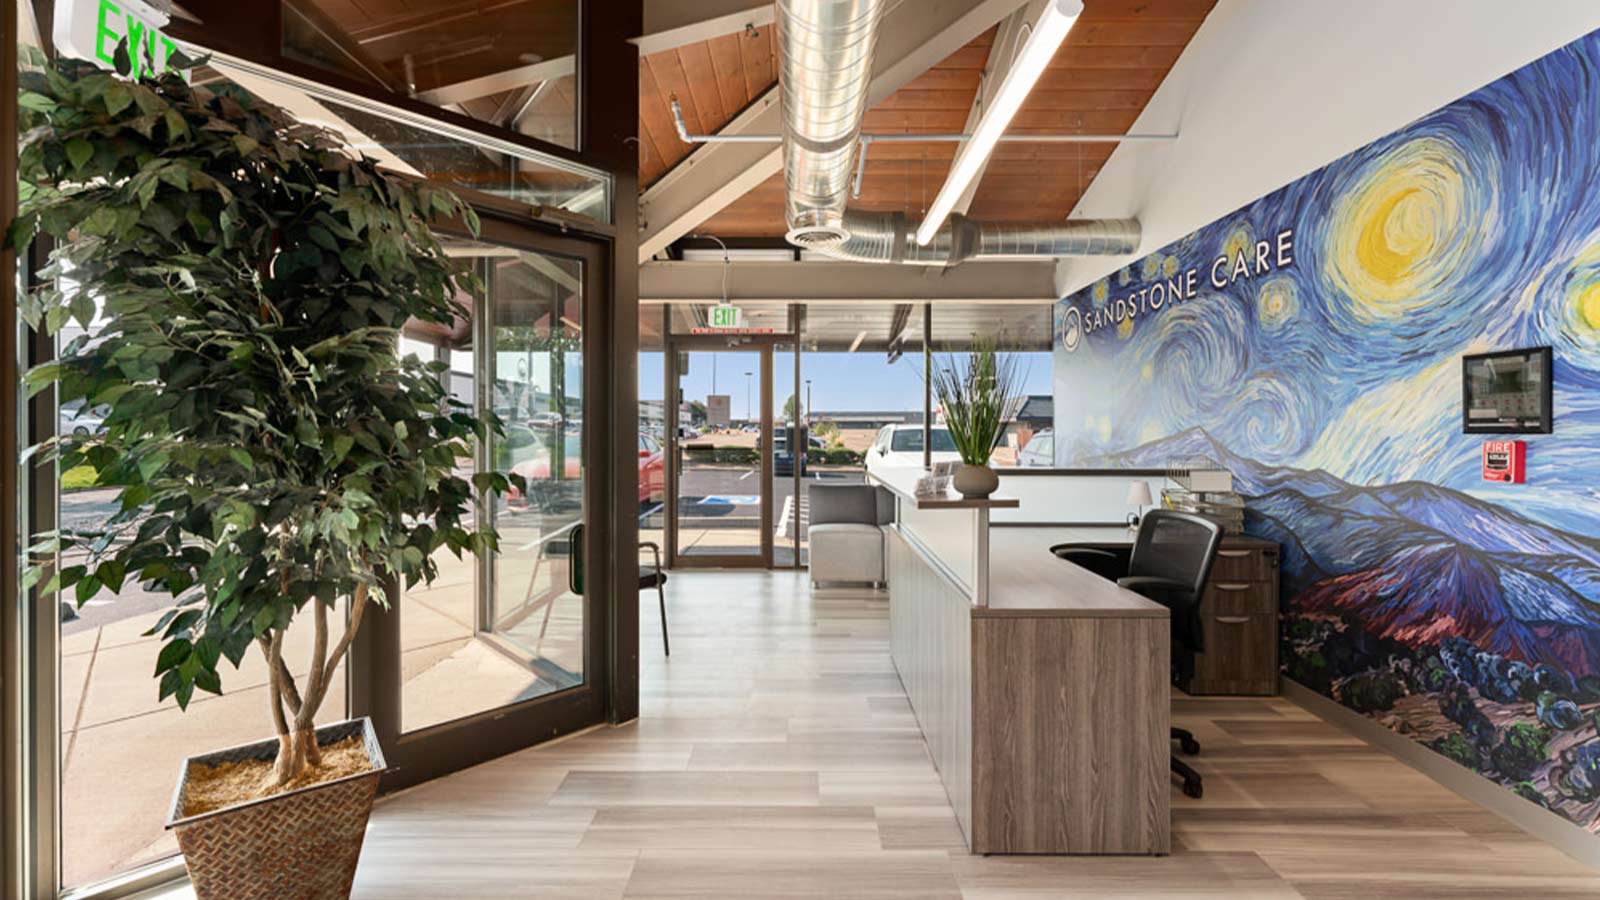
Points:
(777, 758)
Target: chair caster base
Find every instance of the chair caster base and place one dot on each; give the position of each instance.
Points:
(1193, 789)
(1189, 746)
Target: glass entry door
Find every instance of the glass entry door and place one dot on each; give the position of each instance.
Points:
(506, 648)
(721, 500)
(533, 380)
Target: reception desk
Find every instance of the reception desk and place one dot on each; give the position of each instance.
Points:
(1041, 688)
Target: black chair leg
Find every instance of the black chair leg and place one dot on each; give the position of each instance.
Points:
(1186, 741)
(1191, 779)
(661, 595)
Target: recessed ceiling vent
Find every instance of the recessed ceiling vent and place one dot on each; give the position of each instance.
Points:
(817, 237)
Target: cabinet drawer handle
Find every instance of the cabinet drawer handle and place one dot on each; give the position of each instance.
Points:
(1233, 620)
(1232, 586)
(1234, 554)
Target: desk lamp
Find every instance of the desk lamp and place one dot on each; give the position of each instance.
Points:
(1139, 497)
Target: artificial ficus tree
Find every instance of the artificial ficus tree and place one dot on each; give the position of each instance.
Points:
(247, 277)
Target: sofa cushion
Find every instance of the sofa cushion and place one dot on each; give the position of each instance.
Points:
(831, 503)
(846, 551)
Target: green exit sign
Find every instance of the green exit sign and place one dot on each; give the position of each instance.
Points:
(725, 315)
(92, 29)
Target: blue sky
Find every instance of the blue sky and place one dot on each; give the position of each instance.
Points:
(839, 381)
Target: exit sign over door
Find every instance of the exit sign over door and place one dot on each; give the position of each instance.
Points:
(725, 315)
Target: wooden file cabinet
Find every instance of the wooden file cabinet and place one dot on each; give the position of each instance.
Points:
(1239, 616)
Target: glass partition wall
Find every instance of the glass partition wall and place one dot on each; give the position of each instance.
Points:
(846, 393)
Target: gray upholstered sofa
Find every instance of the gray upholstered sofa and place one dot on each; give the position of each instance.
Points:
(847, 533)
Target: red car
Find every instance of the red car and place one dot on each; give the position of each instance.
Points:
(652, 470)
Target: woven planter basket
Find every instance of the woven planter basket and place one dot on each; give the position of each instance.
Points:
(299, 845)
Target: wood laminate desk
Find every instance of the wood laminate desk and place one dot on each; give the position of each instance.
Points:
(1238, 612)
(1046, 707)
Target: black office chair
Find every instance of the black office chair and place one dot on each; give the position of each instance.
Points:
(1170, 562)
(649, 576)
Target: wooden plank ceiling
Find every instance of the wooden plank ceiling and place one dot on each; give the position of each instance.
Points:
(1099, 82)
(422, 45)
(713, 80)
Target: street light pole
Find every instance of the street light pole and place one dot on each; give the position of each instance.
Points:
(807, 415)
(747, 395)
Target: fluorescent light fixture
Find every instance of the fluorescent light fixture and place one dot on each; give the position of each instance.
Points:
(1048, 33)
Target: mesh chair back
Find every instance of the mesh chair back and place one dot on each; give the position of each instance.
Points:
(1178, 546)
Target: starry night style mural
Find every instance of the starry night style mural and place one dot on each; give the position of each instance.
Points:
(1311, 343)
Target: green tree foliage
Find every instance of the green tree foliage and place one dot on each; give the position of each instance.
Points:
(829, 432)
(247, 277)
(1522, 749)
(1371, 692)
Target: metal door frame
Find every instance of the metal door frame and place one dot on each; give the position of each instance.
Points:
(763, 345)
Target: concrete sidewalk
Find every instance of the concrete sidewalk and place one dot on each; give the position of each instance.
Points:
(122, 748)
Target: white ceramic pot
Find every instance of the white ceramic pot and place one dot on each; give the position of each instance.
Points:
(975, 482)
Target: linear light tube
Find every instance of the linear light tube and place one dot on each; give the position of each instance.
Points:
(1048, 33)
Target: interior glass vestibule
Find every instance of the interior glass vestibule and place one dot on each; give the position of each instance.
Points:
(500, 652)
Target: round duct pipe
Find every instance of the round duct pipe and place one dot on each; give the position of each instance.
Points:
(891, 238)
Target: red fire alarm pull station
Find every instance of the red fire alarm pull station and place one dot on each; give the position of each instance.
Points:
(1503, 461)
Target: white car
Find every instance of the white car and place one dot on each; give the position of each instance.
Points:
(901, 445)
(1040, 451)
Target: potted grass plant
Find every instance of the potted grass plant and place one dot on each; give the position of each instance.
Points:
(977, 392)
(276, 460)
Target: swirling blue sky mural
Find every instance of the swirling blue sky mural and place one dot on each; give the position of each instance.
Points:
(1312, 342)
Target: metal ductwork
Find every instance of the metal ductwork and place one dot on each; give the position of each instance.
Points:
(825, 68)
(891, 238)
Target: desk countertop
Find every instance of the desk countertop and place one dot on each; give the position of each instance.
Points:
(902, 480)
(1027, 581)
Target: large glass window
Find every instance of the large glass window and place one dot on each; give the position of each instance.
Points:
(120, 744)
(416, 145)
(514, 66)
(487, 633)
(653, 419)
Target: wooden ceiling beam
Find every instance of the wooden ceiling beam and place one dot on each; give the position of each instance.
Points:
(496, 82)
(911, 39)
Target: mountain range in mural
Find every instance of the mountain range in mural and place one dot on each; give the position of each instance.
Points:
(1384, 587)
(1311, 343)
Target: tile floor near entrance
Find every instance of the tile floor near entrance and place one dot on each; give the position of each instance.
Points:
(776, 757)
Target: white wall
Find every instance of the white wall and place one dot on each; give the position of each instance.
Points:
(1269, 90)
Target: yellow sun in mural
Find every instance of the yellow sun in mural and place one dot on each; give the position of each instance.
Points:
(1400, 233)
(1169, 266)
(1102, 290)
(1589, 306)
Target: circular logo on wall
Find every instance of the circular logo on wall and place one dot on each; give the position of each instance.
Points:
(1070, 333)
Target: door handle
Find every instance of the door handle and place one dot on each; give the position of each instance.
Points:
(1233, 620)
(1234, 554)
(1231, 586)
